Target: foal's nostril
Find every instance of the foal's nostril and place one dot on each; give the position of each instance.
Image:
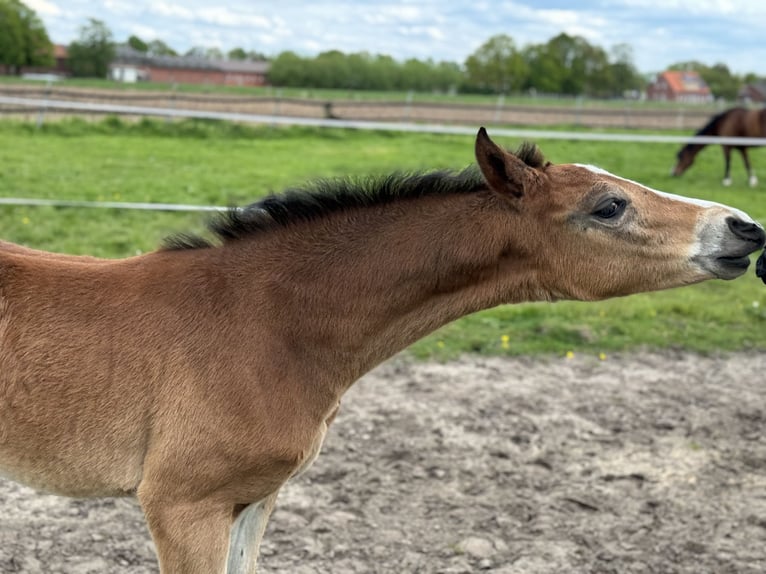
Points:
(746, 230)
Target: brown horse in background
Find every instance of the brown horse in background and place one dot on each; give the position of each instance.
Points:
(203, 376)
(736, 122)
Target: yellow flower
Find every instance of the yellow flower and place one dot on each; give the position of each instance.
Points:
(504, 341)
(25, 220)
(570, 355)
(440, 344)
(602, 356)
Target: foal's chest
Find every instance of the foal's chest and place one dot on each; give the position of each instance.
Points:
(312, 452)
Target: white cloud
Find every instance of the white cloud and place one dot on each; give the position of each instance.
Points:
(709, 7)
(171, 10)
(43, 7)
(226, 17)
(430, 32)
(119, 6)
(144, 32)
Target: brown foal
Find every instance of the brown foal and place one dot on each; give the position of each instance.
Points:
(202, 376)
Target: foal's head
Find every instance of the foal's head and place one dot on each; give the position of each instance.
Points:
(587, 234)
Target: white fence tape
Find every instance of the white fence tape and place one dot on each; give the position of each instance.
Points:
(45, 104)
(109, 204)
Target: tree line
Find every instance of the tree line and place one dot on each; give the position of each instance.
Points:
(564, 65)
(23, 38)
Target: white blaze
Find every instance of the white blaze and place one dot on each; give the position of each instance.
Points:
(699, 202)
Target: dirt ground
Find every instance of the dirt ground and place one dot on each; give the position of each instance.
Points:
(642, 463)
(592, 114)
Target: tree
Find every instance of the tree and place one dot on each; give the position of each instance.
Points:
(330, 70)
(578, 64)
(241, 55)
(138, 44)
(288, 70)
(572, 66)
(256, 56)
(722, 83)
(196, 52)
(496, 65)
(447, 76)
(237, 54)
(416, 75)
(91, 55)
(203, 53)
(23, 38)
(160, 48)
(214, 54)
(545, 74)
(625, 76)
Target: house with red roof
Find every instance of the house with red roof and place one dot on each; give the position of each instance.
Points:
(679, 86)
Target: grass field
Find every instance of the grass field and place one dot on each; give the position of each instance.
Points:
(224, 164)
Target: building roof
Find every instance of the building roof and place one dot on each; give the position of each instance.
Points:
(127, 55)
(60, 51)
(685, 81)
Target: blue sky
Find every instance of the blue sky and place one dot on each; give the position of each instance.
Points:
(661, 33)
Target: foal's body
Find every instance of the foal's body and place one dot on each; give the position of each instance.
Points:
(202, 378)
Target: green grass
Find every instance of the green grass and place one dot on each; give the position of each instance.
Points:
(205, 162)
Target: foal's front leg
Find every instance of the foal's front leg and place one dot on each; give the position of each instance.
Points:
(191, 537)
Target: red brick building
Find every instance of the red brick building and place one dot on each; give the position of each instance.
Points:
(132, 66)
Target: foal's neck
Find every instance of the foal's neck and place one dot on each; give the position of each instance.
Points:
(357, 287)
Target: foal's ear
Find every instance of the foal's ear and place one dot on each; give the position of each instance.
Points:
(503, 171)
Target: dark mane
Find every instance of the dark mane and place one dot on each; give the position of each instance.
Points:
(531, 155)
(326, 196)
(710, 128)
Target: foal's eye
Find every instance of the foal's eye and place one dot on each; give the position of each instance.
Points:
(610, 208)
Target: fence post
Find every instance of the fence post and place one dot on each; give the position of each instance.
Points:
(578, 108)
(499, 108)
(275, 110)
(408, 106)
(172, 101)
(41, 111)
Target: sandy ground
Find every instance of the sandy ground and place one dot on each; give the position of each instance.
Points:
(565, 112)
(642, 463)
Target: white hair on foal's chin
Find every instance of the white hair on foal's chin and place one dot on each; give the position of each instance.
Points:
(694, 201)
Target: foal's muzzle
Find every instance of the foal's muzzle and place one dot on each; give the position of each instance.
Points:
(747, 231)
(731, 258)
